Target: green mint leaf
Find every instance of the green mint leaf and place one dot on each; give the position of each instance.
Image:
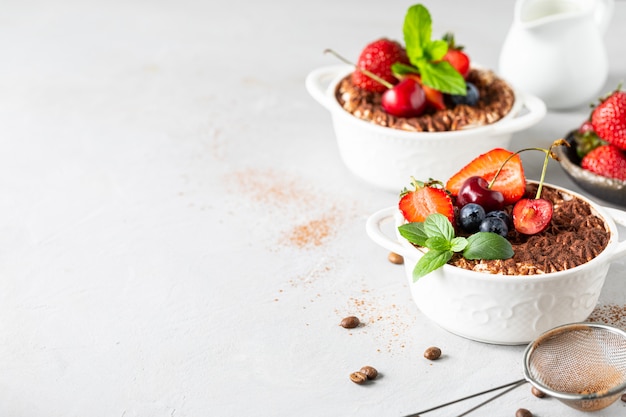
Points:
(442, 76)
(403, 69)
(487, 245)
(458, 244)
(438, 225)
(414, 233)
(436, 50)
(417, 31)
(433, 259)
(438, 243)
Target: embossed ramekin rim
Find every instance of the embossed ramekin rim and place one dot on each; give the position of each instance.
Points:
(479, 293)
(386, 157)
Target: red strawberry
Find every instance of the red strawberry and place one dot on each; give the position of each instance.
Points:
(378, 57)
(609, 119)
(456, 57)
(426, 199)
(607, 161)
(510, 182)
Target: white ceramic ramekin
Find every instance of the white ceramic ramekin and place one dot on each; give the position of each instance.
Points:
(387, 158)
(504, 309)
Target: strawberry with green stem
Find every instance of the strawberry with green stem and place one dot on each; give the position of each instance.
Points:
(425, 199)
(609, 118)
(606, 160)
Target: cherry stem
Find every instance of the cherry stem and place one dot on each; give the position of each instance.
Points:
(363, 70)
(548, 153)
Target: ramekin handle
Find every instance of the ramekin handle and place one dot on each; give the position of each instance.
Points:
(318, 80)
(536, 110)
(619, 217)
(373, 227)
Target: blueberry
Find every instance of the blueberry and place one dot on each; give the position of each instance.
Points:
(470, 217)
(494, 225)
(500, 214)
(471, 98)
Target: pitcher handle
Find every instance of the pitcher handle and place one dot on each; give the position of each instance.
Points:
(619, 217)
(603, 14)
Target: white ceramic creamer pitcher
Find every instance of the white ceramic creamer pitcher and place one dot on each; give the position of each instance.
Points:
(555, 50)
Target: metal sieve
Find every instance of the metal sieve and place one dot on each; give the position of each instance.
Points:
(581, 364)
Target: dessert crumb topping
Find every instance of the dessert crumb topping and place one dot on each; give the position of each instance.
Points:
(496, 100)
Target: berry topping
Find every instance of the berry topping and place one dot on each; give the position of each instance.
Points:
(607, 160)
(425, 199)
(494, 225)
(471, 216)
(609, 119)
(406, 99)
(456, 57)
(434, 98)
(510, 180)
(470, 98)
(501, 214)
(476, 190)
(532, 215)
(378, 57)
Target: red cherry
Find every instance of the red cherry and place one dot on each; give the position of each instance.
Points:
(476, 189)
(434, 98)
(405, 99)
(531, 216)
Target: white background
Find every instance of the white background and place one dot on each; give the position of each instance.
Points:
(157, 161)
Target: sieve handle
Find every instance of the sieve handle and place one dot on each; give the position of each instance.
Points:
(619, 217)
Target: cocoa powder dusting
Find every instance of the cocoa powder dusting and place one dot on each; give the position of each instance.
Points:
(496, 100)
(311, 221)
(312, 233)
(612, 314)
(387, 321)
(575, 236)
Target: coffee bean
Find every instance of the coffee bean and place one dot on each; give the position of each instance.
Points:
(358, 377)
(537, 393)
(624, 397)
(350, 322)
(369, 371)
(433, 353)
(522, 412)
(394, 258)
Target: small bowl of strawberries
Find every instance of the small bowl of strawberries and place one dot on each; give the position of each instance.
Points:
(496, 258)
(596, 157)
(417, 108)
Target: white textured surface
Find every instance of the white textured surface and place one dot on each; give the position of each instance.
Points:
(157, 162)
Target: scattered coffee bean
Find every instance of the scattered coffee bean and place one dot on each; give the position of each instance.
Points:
(522, 412)
(350, 322)
(395, 258)
(433, 353)
(358, 377)
(537, 393)
(624, 397)
(369, 371)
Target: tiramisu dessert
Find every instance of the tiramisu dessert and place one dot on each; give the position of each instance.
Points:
(488, 218)
(425, 85)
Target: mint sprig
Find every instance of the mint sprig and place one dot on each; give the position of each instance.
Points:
(437, 234)
(425, 54)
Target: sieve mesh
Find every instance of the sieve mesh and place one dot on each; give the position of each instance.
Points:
(583, 365)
